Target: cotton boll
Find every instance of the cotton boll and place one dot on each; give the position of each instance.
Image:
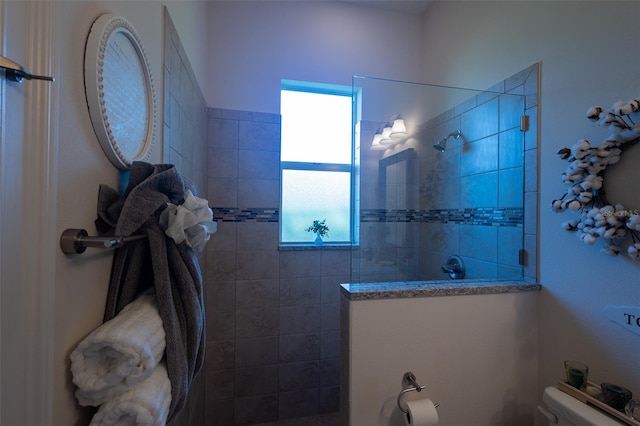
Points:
(589, 239)
(611, 249)
(585, 197)
(594, 112)
(634, 251)
(571, 225)
(557, 205)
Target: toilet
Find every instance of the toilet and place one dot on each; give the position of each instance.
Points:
(564, 410)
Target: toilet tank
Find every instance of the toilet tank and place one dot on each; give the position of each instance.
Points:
(571, 412)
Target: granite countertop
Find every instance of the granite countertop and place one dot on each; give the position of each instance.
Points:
(404, 289)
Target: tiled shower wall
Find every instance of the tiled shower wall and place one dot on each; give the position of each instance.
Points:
(477, 199)
(273, 314)
(185, 136)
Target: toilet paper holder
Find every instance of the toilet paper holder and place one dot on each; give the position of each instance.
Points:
(410, 379)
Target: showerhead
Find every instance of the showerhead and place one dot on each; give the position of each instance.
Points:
(442, 145)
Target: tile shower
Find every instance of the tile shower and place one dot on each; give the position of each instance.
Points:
(273, 349)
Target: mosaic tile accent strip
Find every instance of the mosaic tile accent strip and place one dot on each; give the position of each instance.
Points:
(486, 216)
(231, 214)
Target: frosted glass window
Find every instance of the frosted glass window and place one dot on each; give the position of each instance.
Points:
(316, 127)
(315, 195)
(316, 161)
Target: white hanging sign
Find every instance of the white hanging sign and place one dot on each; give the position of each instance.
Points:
(626, 316)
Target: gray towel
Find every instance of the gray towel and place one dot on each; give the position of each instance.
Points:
(157, 262)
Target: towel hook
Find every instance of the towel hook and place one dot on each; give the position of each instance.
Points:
(410, 379)
(16, 72)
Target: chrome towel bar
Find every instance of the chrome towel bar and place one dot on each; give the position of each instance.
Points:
(76, 241)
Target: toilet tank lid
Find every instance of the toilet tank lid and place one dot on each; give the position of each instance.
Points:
(576, 412)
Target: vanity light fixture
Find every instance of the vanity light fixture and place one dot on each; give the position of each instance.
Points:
(390, 133)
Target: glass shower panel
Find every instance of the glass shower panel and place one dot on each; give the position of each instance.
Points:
(452, 186)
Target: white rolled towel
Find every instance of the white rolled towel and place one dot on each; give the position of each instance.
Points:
(120, 353)
(145, 404)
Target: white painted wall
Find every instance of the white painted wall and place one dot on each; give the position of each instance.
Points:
(81, 281)
(590, 55)
(477, 355)
(255, 44)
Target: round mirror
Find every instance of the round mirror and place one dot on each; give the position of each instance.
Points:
(120, 91)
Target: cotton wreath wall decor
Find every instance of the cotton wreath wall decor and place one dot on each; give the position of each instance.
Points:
(598, 218)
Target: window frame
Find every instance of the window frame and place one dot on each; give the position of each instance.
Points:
(352, 168)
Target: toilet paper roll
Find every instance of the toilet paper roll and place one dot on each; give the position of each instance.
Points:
(422, 412)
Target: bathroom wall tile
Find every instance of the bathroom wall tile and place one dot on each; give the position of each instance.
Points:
(531, 170)
(479, 156)
(530, 268)
(259, 136)
(299, 264)
(300, 291)
(445, 165)
(370, 196)
(440, 195)
(220, 325)
(258, 164)
(225, 237)
(531, 136)
(223, 133)
(220, 355)
(220, 295)
(220, 384)
(256, 322)
(252, 381)
(330, 371)
(299, 403)
(335, 262)
(223, 192)
(257, 236)
(511, 152)
(329, 344)
(530, 212)
(230, 114)
(510, 272)
(511, 187)
(299, 319)
(257, 293)
(258, 193)
(222, 163)
(256, 351)
(221, 265)
(511, 109)
(255, 409)
(480, 269)
(330, 317)
(299, 347)
(480, 122)
(219, 412)
(479, 190)
(510, 242)
(479, 242)
(330, 288)
(253, 265)
(330, 400)
(299, 375)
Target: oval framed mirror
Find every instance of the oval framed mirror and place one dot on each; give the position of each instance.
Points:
(120, 91)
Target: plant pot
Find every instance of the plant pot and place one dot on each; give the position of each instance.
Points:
(318, 240)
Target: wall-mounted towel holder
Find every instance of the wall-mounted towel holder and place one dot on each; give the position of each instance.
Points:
(410, 379)
(16, 72)
(76, 241)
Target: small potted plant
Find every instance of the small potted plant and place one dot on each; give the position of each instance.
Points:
(320, 228)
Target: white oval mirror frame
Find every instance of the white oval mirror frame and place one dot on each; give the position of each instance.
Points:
(120, 91)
